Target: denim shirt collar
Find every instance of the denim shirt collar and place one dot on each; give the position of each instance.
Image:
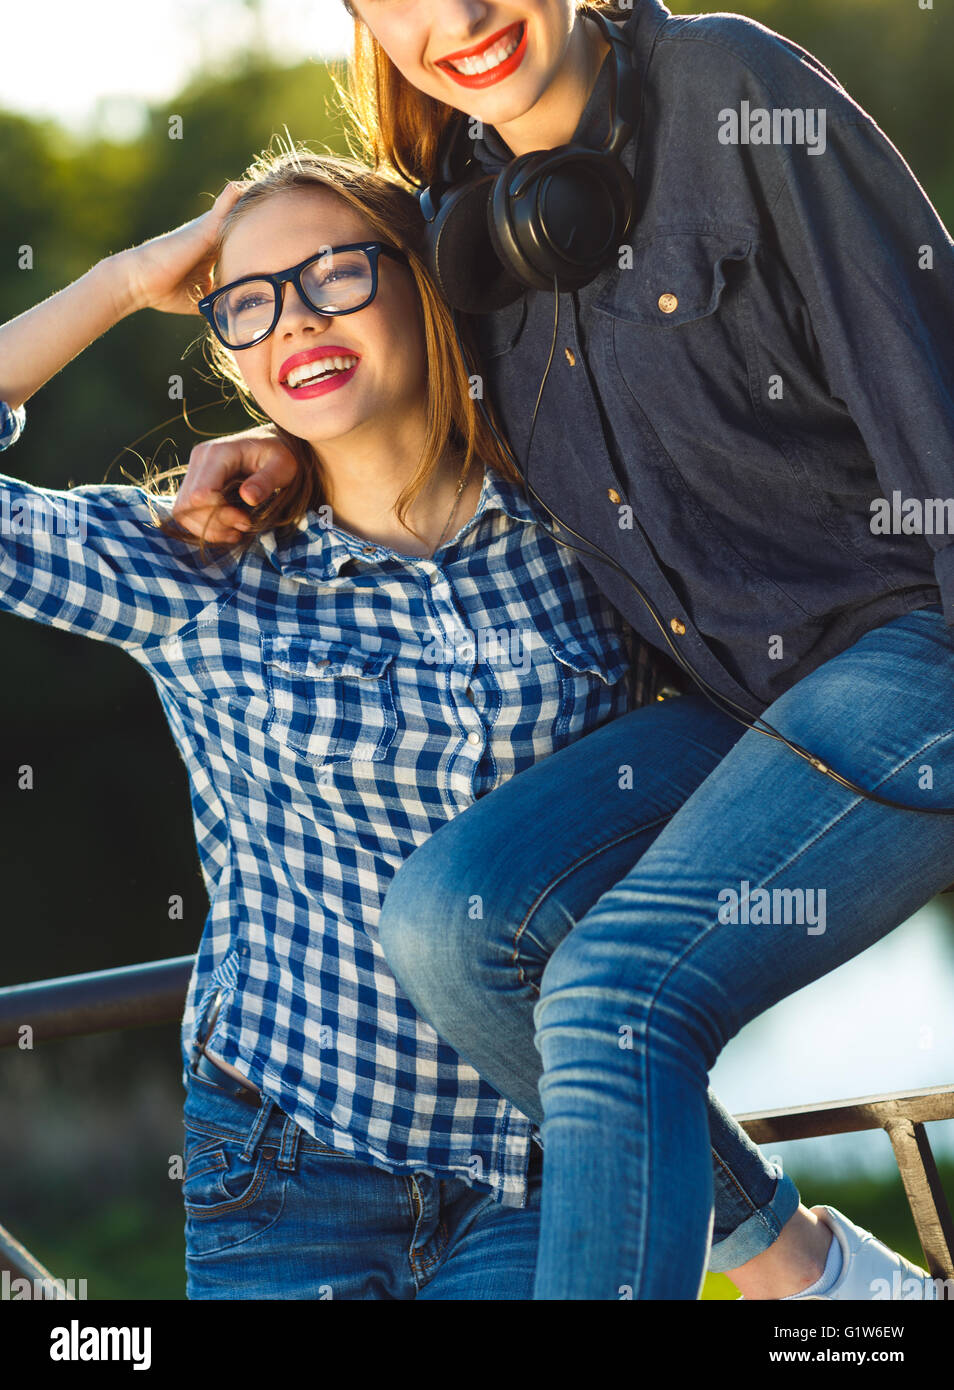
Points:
(320, 551)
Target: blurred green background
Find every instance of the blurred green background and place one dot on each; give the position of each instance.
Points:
(90, 857)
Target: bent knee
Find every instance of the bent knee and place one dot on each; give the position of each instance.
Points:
(637, 990)
(431, 918)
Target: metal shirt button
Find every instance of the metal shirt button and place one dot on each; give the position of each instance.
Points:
(367, 550)
(613, 495)
(473, 738)
(570, 357)
(668, 303)
(678, 627)
(435, 576)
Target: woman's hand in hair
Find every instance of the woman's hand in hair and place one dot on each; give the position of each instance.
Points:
(258, 456)
(173, 272)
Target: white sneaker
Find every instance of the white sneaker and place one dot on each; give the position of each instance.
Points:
(869, 1270)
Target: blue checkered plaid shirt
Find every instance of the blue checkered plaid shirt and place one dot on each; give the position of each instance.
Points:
(334, 703)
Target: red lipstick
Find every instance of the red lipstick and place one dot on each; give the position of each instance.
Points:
(492, 75)
(318, 387)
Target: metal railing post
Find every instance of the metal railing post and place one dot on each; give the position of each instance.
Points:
(16, 1259)
(929, 1207)
(903, 1116)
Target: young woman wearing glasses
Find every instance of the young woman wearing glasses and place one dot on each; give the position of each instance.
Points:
(759, 367)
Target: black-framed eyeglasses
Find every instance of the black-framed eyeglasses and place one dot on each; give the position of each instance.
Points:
(336, 280)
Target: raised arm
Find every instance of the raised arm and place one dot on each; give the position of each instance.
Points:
(89, 559)
(169, 273)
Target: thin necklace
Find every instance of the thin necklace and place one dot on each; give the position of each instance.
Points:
(460, 488)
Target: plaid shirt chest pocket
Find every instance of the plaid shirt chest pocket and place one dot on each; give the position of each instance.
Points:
(591, 682)
(328, 701)
(554, 684)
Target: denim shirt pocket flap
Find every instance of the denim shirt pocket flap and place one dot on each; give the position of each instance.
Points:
(610, 662)
(675, 278)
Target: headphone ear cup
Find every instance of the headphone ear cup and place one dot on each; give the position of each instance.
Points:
(463, 260)
(501, 222)
(561, 214)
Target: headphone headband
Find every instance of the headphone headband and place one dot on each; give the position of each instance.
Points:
(623, 78)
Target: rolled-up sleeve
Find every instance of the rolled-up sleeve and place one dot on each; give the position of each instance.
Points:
(90, 559)
(11, 424)
(875, 266)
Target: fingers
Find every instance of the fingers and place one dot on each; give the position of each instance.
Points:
(200, 506)
(210, 517)
(232, 190)
(205, 504)
(272, 467)
(230, 194)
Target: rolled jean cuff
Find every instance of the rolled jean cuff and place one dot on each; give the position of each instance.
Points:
(758, 1231)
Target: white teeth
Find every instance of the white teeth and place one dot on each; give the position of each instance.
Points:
(471, 67)
(311, 371)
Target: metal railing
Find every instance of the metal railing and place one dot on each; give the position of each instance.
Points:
(903, 1115)
(136, 995)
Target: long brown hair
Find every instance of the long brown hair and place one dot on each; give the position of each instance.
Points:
(395, 125)
(455, 425)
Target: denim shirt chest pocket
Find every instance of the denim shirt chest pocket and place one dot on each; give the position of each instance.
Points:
(678, 342)
(676, 278)
(328, 701)
(687, 341)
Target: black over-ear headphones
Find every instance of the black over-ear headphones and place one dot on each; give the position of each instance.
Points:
(551, 215)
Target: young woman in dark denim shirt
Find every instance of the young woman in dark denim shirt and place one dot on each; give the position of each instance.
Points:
(749, 415)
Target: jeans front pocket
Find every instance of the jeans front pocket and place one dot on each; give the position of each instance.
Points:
(228, 1199)
(328, 701)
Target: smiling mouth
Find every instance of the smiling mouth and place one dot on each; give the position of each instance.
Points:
(500, 53)
(312, 373)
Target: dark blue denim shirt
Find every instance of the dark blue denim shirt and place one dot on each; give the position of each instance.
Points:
(721, 412)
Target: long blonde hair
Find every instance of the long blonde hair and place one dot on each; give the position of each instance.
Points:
(455, 425)
(396, 126)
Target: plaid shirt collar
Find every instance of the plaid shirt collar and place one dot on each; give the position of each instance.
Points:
(323, 550)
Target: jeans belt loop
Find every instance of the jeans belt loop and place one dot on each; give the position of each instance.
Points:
(289, 1150)
(255, 1133)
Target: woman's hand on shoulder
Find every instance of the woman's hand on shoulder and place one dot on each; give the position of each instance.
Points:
(258, 456)
(172, 272)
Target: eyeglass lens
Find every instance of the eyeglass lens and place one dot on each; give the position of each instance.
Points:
(335, 283)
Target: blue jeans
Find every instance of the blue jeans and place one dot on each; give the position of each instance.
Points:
(535, 855)
(271, 1213)
(765, 877)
